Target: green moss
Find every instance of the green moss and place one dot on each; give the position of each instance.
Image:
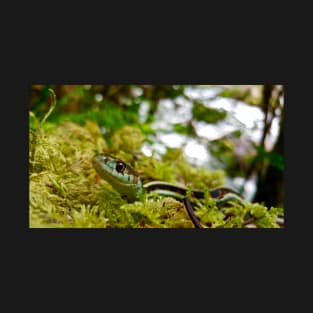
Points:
(65, 190)
(62, 178)
(128, 139)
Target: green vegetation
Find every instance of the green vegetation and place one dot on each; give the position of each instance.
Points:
(209, 115)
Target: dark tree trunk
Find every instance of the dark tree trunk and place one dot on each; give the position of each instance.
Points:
(270, 187)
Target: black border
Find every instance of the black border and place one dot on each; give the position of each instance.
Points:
(221, 256)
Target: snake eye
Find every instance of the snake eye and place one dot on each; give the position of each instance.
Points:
(120, 167)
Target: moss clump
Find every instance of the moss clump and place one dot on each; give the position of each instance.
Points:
(62, 187)
(237, 216)
(127, 139)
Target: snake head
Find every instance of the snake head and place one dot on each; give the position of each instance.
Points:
(119, 174)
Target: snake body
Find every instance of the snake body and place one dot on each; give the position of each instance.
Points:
(128, 183)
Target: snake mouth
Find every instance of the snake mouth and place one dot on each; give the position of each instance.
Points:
(99, 158)
(100, 163)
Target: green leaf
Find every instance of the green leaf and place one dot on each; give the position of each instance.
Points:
(208, 115)
(184, 129)
(274, 158)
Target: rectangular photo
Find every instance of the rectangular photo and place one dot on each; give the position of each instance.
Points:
(156, 156)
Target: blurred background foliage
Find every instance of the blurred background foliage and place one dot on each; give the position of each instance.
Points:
(178, 109)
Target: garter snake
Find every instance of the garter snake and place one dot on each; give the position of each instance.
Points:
(128, 183)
